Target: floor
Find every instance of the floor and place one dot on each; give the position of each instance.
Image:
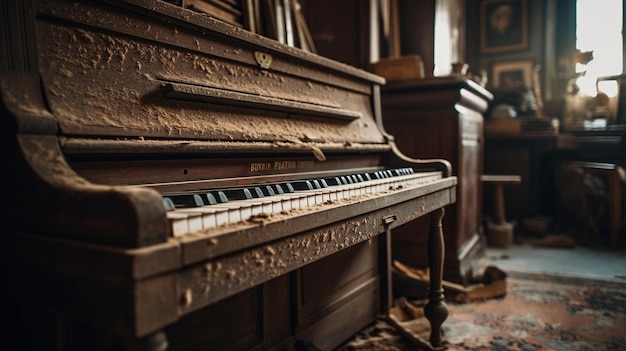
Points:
(579, 260)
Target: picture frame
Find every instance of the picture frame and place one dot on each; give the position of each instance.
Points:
(503, 26)
(512, 74)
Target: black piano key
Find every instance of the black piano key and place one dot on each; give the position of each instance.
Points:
(278, 189)
(169, 204)
(267, 190)
(302, 185)
(187, 200)
(366, 176)
(323, 183)
(220, 197)
(238, 194)
(257, 192)
(208, 198)
(344, 180)
(287, 188)
(359, 178)
(333, 181)
(316, 184)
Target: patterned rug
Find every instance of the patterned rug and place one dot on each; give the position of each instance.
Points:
(539, 312)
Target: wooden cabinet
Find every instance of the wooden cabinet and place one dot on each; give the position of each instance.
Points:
(442, 118)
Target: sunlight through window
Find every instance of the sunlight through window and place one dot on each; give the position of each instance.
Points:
(599, 29)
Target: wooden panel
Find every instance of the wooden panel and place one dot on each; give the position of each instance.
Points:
(342, 287)
(235, 323)
(130, 64)
(357, 311)
(324, 282)
(470, 169)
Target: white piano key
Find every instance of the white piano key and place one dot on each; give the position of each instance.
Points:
(208, 214)
(313, 197)
(234, 215)
(304, 203)
(221, 218)
(295, 199)
(250, 207)
(332, 195)
(267, 206)
(195, 222)
(277, 205)
(286, 203)
(256, 207)
(178, 222)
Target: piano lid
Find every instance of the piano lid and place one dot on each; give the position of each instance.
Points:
(145, 69)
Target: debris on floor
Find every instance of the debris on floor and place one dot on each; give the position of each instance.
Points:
(556, 241)
(490, 283)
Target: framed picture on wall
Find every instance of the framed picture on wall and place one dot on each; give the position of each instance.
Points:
(503, 26)
(512, 74)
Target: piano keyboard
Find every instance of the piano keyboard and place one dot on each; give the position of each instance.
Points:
(189, 213)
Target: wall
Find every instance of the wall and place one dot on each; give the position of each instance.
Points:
(341, 30)
(551, 40)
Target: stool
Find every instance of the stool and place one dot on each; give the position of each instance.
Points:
(499, 231)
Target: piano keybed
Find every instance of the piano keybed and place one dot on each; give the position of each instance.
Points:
(190, 213)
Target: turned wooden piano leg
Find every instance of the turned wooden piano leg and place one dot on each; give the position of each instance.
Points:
(436, 310)
(153, 342)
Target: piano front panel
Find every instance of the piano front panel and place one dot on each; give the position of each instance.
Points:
(312, 304)
(235, 324)
(135, 74)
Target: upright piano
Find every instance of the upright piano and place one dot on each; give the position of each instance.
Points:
(172, 181)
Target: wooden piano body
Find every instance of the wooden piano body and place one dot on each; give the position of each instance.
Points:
(111, 106)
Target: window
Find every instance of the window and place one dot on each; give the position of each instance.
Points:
(599, 29)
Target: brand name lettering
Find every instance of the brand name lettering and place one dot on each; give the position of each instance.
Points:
(256, 167)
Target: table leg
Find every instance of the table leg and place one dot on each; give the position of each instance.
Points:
(436, 310)
(154, 342)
